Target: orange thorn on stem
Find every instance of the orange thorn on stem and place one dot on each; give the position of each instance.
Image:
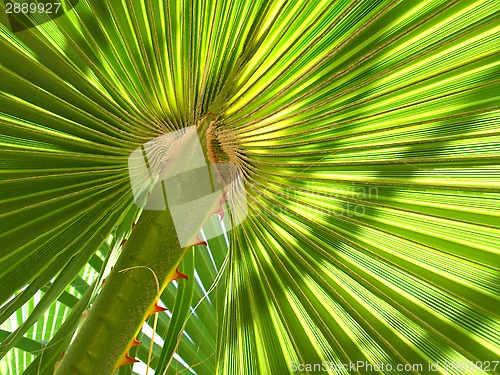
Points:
(223, 200)
(220, 212)
(201, 243)
(179, 275)
(127, 360)
(156, 309)
(124, 241)
(135, 342)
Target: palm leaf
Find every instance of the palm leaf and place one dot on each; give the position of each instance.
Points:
(367, 134)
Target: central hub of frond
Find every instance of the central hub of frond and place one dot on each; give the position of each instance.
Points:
(220, 146)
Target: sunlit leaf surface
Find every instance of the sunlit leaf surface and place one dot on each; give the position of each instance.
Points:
(368, 136)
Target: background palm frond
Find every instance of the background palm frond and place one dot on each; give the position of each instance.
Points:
(367, 133)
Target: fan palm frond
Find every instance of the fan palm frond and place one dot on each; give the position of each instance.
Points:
(367, 135)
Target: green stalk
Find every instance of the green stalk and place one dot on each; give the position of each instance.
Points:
(127, 297)
(147, 264)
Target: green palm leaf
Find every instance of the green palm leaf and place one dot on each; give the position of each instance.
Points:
(367, 135)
